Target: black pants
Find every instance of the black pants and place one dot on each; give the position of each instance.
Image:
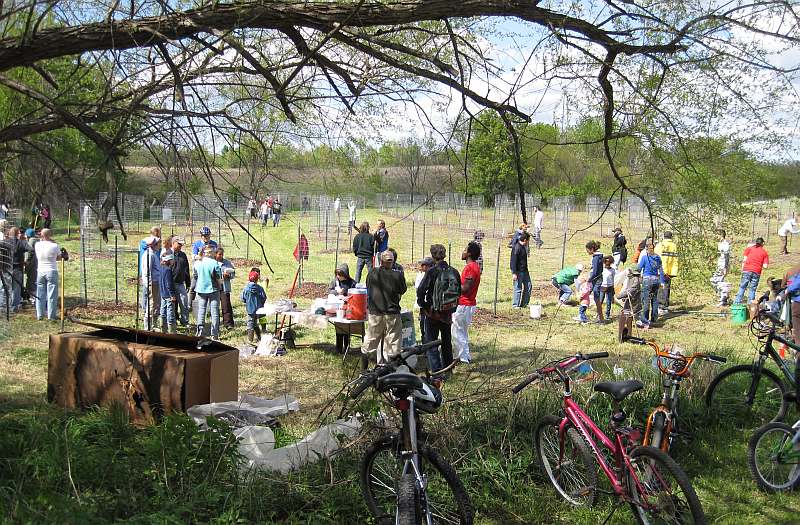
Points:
(441, 357)
(227, 309)
(342, 342)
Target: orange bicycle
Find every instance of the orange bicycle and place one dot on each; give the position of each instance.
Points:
(662, 423)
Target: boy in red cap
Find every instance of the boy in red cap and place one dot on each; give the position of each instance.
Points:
(254, 297)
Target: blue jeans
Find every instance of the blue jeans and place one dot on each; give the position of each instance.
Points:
(182, 303)
(607, 295)
(650, 299)
(582, 313)
(749, 280)
(522, 290)
(167, 314)
(565, 291)
(47, 295)
(276, 219)
(360, 263)
(205, 302)
(17, 280)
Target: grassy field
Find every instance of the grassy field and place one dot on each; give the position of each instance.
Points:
(93, 468)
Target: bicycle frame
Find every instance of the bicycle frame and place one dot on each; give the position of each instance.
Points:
(409, 450)
(769, 352)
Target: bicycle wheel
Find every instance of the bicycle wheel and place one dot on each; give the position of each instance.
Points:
(445, 495)
(407, 500)
(658, 432)
(773, 459)
(660, 491)
(572, 472)
(727, 393)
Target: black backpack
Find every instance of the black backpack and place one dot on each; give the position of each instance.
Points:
(446, 290)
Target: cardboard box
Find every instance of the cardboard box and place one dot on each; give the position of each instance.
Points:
(148, 373)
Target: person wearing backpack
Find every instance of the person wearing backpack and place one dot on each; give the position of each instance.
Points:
(437, 297)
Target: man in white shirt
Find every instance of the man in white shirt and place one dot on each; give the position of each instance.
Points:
(790, 226)
(47, 255)
(538, 222)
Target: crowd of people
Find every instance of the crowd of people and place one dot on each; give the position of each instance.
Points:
(270, 209)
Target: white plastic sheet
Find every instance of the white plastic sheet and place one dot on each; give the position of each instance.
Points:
(265, 407)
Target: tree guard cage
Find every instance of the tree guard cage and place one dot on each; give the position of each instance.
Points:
(637, 212)
(131, 209)
(562, 207)
(170, 212)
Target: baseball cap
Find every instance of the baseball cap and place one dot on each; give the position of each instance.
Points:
(179, 240)
(253, 276)
(30, 232)
(167, 256)
(427, 261)
(387, 256)
(579, 267)
(205, 230)
(152, 239)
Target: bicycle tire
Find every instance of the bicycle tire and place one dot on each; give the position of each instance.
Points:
(407, 500)
(765, 450)
(658, 432)
(547, 444)
(654, 464)
(381, 466)
(726, 396)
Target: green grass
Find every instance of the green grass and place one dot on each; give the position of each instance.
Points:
(172, 474)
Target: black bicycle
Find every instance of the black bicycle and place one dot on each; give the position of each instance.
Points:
(404, 481)
(752, 395)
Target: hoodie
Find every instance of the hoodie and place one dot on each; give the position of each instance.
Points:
(344, 285)
(254, 297)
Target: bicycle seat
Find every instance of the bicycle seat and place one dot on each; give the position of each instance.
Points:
(399, 380)
(619, 390)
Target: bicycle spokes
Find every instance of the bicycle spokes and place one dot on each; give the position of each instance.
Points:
(657, 494)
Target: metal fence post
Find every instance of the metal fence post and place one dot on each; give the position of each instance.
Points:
(83, 268)
(247, 253)
(496, 277)
(116, 271)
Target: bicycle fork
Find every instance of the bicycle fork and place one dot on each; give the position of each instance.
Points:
(410, 454)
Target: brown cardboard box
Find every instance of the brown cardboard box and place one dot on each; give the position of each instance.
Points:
(148, 373)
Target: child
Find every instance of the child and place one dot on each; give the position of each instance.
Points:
(342, 282)
(631, 298)
(254, 297)
(168, 296)
(584, 292)
(607, 286)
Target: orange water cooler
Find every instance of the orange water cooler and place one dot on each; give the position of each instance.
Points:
(357, 304)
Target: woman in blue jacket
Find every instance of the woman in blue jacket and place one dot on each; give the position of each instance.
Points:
(652, 277)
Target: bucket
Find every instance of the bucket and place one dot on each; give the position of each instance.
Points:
(357, 304)
(536, 311)
(738, 314)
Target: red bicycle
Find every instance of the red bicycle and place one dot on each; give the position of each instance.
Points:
(655, 487)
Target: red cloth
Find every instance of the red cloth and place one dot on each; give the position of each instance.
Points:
(757, 257)
(301, 250)
(471, 271)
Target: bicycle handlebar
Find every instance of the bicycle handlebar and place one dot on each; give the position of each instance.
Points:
(370, 377)
(561, 363)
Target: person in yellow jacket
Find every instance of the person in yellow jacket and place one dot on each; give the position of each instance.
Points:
(668, 251)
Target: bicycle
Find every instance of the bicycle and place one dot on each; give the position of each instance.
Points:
(404, 481)
(753, 394)
(662, 422)
(646, 478)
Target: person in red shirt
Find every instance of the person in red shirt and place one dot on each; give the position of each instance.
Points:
(462, 318)
(756, 259)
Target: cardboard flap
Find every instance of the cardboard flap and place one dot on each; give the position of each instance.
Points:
(224, 378)
(174, 341)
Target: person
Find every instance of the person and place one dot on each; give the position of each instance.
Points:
(478, 237)
(652, 276)
(228, 273)
(640, 248)
(424, 265)
(438, 295)
(342, 282)
(151, 279)
(607, 286)
(254, 297)
(3, 211)
(596, 277)
(264, 212)
(363, 249)
(523, 228)
(584, 293)
(668, 251)
(723, 266)
(789, 226)
(31, 262)
(467, 303)
(351, 208)
(251, 208)
(48, 253)
(166, 287)
(538, 222)
(47, 216)
(270, 202)
(306, 204)
(276, 212)
(381, 238)
(631, 297)
(395, 266)
(209, 275)
(182, 277)
(519, 272)
(563, 281)
(340, 286)
(756, 260)
(619, 250)
(384, 332)
(18, 250)
(155, 231)
(202, 242)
